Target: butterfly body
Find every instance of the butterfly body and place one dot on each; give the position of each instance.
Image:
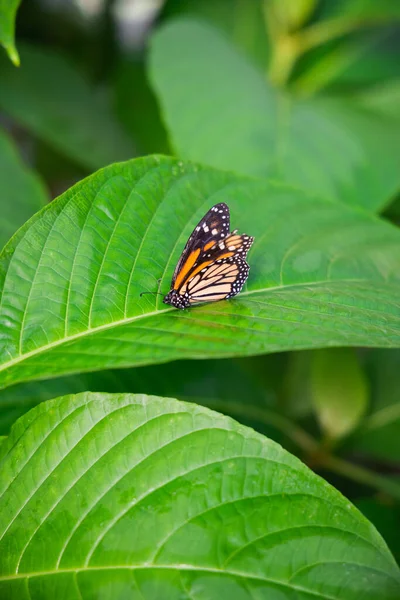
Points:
(213, 263)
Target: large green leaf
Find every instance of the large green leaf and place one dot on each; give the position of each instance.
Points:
(50, 98)
(8, 12)
(242, 22)
(116, 496)
(22, 193)
(321, 274)
(221, 111)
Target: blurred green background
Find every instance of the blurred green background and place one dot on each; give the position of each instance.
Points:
(97, 84)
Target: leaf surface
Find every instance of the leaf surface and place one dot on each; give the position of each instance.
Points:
(49, 97)
(145, 497)
(220, 111)
(321, 274)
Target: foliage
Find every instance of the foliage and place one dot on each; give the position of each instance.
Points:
(246, 125)
(131, 469)
(22, 190)
(314, 281)
(109, 487)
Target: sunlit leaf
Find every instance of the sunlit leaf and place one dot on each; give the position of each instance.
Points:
(8, 12)
(321, 274)
(54, 102)
(221, 111)
(22, 193)
(144, 497)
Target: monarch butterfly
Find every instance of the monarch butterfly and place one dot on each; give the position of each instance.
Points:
(213, 263)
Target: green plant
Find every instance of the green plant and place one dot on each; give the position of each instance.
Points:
(109, 487)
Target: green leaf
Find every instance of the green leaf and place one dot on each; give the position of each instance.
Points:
(8, 12)
(49, 97)
(137, 108)
(220, 111)
(241, 21)
(321, 274)
(339, 391)
(379, 436)
(145, 497)
(22, 192)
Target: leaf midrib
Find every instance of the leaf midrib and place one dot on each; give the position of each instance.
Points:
(186, 567)
(127, 321)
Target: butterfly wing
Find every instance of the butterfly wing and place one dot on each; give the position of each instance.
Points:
(213, 263)
(221, 280)
(213, 227)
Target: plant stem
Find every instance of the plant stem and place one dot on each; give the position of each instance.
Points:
(267, 417)
(361, 475)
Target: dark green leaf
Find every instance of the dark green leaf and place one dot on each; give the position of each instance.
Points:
(220, 111)
(137, 108)
(22, 193)
(379, 437)
(321, 274)
(8, 12)
(53, 101)
(339, 390)
(145, 497)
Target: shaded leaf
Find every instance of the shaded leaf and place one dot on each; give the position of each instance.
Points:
(220, 111)
(148, 497)
(241, 21)
(8, 12)
(22, 192)
(339, 391)
(380, 434)
(137, 108)
(321, 274)
(49, 97)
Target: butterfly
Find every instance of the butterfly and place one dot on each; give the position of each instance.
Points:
(213, 263)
